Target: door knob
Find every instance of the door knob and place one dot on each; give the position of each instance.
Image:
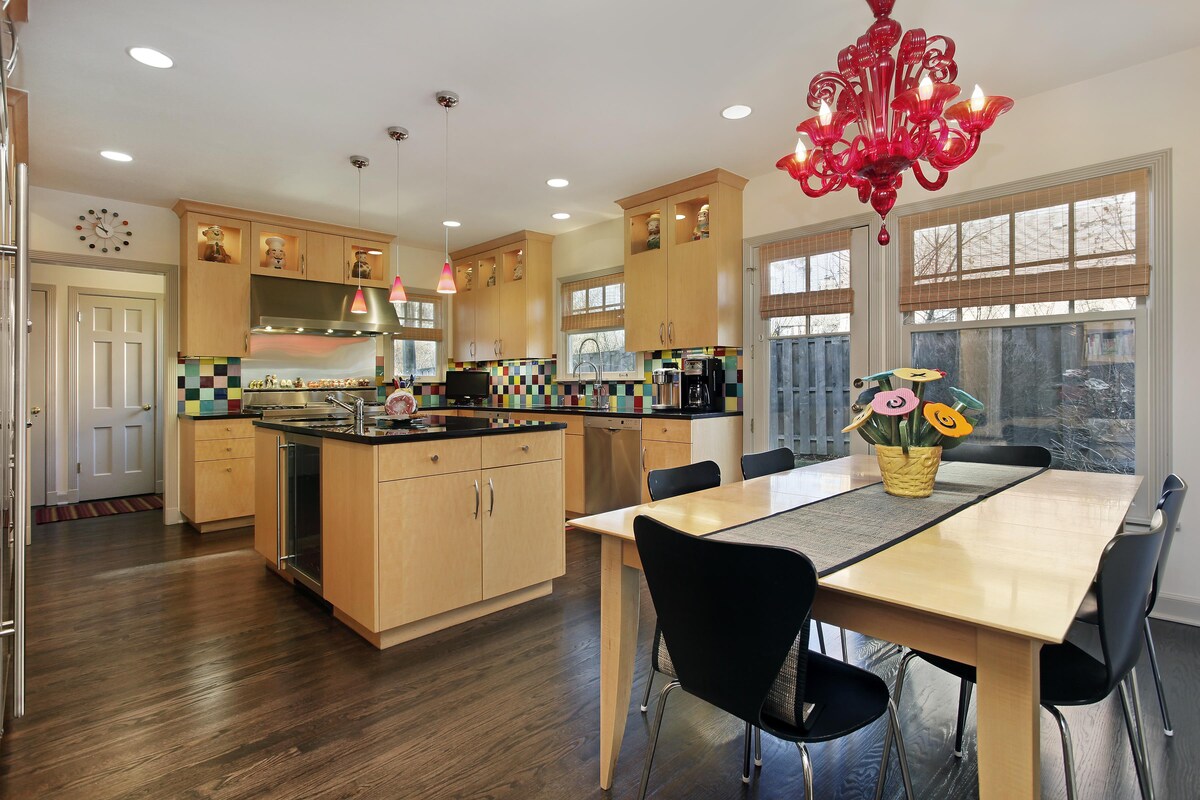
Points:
(35, 410)
(145, 406)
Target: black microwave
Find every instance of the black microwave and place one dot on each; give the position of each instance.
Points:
(468, 385)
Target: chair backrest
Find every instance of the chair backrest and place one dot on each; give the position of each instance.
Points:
(1015, 455)
(1170, 502)
(675, 481)
(755, 465)
(1122, 583)
(729, 612)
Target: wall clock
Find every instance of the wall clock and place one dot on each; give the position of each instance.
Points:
(106, 229)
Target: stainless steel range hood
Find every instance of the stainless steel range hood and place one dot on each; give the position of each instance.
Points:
(283, 305)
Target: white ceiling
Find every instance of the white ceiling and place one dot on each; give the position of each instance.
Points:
(268, 99)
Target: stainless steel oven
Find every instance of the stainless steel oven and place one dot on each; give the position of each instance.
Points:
(298, 494)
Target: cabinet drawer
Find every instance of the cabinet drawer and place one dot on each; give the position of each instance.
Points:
(418, 459)
(521, 448)
(224, 429)
(224, 489)
(213, 449)
(667, 430)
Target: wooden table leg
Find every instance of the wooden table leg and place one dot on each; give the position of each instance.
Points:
(1009, 717)
(620, 595)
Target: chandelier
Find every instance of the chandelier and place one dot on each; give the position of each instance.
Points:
(898, 102)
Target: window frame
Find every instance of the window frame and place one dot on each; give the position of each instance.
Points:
(562, 356)
(439, 301)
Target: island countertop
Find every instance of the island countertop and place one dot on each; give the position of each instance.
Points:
(427, 428)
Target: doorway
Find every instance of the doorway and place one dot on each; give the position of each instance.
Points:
(115, 353)
(41, 392)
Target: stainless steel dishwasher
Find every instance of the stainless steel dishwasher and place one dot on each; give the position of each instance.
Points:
(612, 456)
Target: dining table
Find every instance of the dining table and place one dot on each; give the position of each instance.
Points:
(987, 585)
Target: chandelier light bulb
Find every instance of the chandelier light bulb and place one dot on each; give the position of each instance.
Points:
(801, 150)
(825, 115)
(925, 89)
(977, 98)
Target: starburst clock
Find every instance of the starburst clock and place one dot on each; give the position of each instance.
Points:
(105, 230)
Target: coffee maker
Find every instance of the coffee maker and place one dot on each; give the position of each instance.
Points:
(703, 383)
(668, 387)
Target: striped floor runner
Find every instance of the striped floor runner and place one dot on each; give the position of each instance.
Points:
(97, 508)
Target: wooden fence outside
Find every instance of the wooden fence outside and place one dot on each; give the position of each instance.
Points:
(810, 395)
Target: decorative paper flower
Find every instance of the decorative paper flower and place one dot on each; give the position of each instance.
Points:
(879, 376)
(867, 395)
(918, 375)
(893, 404)
(965, 400)
(859, 420)
(946, 420)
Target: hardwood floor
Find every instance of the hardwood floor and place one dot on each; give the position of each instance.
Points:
(166, 665)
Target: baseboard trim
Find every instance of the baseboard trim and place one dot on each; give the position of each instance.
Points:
(1177, 608)
(171, 516)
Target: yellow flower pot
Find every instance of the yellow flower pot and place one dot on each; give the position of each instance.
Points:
(908, 474)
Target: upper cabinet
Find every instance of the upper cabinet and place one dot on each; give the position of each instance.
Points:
(683, 264)
(222, 247)
(504, 305)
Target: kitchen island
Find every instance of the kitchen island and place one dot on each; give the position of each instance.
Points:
(420, 528)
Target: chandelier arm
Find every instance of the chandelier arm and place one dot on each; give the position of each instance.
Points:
(945, 161)
(926, 183)
(833, 88)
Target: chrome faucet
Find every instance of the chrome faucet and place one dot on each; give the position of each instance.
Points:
(359, 409)
(598, 385)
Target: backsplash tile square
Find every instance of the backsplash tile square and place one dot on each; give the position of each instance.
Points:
(209, 385)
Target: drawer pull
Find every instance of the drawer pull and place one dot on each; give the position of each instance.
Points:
(524, 448)
(434, 457)
(229, 469)
(228, 449)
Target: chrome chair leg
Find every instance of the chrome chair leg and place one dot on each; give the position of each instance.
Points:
(758, 747)
(1141, 729)
(894, 726)
(653, 743)
(887, 737)
(1068, 751)
(821, 638)
(964, 702)
(1158, 684)
(649, 685)
(845, 649)
(806, 763)
(1147, 790)
(746, 754)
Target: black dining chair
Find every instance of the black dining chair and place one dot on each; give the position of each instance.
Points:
(782, 459)
(735, 617)
(756, 465)
(672, 482)
(1170, 502)
(1070, 676)
(1013, 455)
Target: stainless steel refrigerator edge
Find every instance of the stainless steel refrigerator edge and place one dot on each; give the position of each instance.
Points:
(612, 456)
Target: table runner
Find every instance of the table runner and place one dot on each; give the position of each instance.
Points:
(841, 530)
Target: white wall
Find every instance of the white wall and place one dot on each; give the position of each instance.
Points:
(62, 279)
(1142, 109)
(598, 246)
(53, 216)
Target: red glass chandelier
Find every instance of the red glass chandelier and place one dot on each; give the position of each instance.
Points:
(899, 103)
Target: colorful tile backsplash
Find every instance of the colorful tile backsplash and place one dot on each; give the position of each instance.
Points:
(533, 382)
(209, 385)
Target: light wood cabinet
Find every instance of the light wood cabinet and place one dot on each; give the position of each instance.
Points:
(573, 498)
(323, 260)
(670, 443)
(214, 296)
(522, 502)
(268, 241)
(216, 474)
(687, 292)
(504, 307)
(376, 255)
(268, 522)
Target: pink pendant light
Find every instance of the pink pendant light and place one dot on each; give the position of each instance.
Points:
(359, 306)
(398, 294)
(447, 100)
(446, 284)
(398, 135)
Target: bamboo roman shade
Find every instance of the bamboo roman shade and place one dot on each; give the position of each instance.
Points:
(808, 275)
(594, 303)
(420, 318)
(1079, 241)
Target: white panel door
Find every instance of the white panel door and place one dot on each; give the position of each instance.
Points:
(38, 372)
(115, 393)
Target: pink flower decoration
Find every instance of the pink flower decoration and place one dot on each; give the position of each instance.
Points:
(895, 403)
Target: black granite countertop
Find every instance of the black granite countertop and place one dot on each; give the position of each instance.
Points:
(224, 415)
(532, 408)
(426, 428)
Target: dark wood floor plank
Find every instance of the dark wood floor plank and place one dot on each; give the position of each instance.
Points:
(163, 664)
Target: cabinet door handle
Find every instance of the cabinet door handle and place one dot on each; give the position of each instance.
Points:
(302, 263)
(476, 499)
(496, 347)
(492, 504)
(229, 469)
(278, 504)
(246, 342)
(228, 449)
(524, 448)
(671, 331)
(643, 459)
(662, 333)
(434, 458)
(472, 348)
(500, 350)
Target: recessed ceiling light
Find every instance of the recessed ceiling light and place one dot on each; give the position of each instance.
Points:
(558, 183)
(736, 112)
(113, 155)
(451, 223)
(150, 57)
(561, 215)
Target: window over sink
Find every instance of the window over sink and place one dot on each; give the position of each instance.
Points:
(417, 350)
(593, 318)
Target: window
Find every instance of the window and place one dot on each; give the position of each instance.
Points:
(593, 318)
(974, 280)
(417, 349)
(806, 290)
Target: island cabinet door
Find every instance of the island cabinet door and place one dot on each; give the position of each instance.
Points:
(523, 539)
(267, 491)
(429, 548)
